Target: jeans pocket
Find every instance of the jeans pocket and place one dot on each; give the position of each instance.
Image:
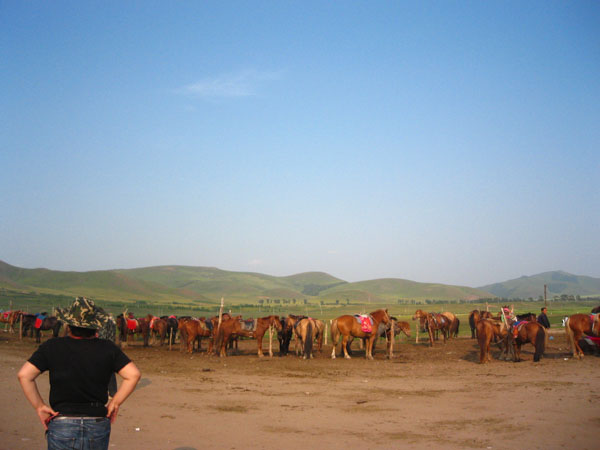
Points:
(98, 434)
(61, 443)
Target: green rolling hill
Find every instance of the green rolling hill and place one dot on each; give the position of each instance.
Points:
(206, 285)
(558, 283)
(392, 289)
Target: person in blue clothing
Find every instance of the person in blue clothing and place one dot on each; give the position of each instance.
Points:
(80, 366)
(543, 318)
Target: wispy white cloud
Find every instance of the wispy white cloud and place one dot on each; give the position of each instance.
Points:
(241, 84)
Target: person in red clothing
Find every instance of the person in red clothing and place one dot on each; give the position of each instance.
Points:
(80, 366)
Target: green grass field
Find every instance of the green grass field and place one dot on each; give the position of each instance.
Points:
(329, 310)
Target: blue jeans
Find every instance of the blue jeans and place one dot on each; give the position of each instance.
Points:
(80, 434)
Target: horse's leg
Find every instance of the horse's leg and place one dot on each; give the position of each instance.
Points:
(577, 351)
(369, 346)
(334, 341)
(259, 339)
(344, 343)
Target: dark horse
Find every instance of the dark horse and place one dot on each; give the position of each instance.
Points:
(533, 333)
(529, 317)
(576, 326)
(284, 336)
(48, 323)
(129, 326)
(347, 326)
(172, 326)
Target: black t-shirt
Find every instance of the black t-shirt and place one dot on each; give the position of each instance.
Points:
(80, 370)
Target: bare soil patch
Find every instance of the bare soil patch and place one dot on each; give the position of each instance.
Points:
(423, 398)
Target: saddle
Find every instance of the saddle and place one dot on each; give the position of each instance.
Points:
(152, 321)
(249, 325)
(517, 327)
(366, 322)
(132, 324)
(39, 319)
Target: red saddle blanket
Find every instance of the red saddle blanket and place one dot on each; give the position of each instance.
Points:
(366, 324)
(132, 324)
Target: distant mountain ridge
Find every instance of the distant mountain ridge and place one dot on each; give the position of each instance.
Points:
(558, 283)
(208, 284)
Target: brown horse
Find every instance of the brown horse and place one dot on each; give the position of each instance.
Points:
(454, 324)
(433, 322)
(348, 326)
(193, 330)
(318, 333)
(10, 318)
(386, 331)
(304, 330)
(488, 329)
(228, 330)
(158, 329)
(576, 326)
(474, 318)
(533, 333)
(261, 326)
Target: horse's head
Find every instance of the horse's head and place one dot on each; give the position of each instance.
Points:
(404, 327)
(418, 314)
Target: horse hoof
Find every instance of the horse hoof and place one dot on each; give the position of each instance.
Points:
(347, 357)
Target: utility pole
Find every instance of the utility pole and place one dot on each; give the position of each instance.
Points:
(545, 296)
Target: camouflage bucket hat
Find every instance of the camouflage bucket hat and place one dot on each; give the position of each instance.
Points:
(83, 313)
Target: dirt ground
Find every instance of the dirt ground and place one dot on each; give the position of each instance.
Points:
(423, 398)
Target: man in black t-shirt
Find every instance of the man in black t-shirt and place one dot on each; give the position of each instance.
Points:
(80, 366)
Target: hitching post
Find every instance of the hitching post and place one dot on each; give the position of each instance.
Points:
(21, 327)
(270, 341)
(392, 341)
(417, 324)
(326, 326)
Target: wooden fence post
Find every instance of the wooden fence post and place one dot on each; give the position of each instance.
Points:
(21, 327)
(391, 355)
(417, 326)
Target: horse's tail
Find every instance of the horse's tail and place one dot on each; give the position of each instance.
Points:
(570, 335)
(308, 340)
(540, 343)
(335, 335)
(457, 327)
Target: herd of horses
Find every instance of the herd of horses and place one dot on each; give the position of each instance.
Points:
(222, 332)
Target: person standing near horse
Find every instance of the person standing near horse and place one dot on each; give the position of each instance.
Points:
(542, 319)
(80, 366)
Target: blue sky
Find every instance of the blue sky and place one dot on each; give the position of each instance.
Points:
(451, 142)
